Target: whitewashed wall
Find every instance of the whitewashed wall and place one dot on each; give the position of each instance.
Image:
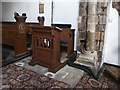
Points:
(66, 12)
(111, 38)
(30, 8)
(119, 41)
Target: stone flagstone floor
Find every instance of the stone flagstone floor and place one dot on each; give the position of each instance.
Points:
(66, 74)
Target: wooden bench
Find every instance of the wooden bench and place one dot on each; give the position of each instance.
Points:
(66, 38)
(67, 41)
(18, 34)
(14, 34)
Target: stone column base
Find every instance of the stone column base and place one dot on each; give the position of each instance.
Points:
(88, 59)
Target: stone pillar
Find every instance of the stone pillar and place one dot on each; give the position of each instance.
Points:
(82, 24)
(95, 14)
(91, 26)
(90, 55)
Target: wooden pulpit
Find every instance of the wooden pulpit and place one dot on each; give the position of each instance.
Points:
(46, 47)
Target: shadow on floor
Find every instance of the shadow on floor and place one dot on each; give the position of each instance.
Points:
(8, 55)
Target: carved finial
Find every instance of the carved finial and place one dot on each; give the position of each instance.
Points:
(16, 14)
(19, 18)
(23, 14)
(41, 20)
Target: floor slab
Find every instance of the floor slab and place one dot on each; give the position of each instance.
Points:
(66, 74)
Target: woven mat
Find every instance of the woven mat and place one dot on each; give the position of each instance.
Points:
(113, 73)
(17, 77)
